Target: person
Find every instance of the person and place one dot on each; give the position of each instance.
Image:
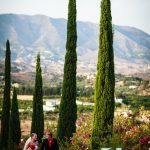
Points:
(31, 143)
(49, 143)
(27, 142)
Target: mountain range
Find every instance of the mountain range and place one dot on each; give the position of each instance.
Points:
(31, 34)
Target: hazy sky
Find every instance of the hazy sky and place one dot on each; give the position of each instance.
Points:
(124, 12)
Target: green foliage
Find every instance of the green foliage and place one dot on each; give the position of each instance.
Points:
(68, 108)
(28, 90)
(52, 97)
(128, 133)
(137, 102)
(24, 104)
(145, 84)
(56, 90)
(85, 109)
(25, 89)
(6, 99)
(87, 92)
(14, 122)
(38, 115)
(11, 144)
(105, 82)
(81, 78)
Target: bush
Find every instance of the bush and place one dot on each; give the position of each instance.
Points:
(129, 133)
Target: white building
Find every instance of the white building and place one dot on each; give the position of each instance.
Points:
(132, 87)
(50, 105)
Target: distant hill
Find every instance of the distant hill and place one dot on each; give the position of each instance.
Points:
(29, 34)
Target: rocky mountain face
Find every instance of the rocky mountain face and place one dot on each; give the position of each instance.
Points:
(30, 34)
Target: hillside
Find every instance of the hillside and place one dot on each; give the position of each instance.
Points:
(29, 34)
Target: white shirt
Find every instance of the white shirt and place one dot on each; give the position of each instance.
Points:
(27, 142)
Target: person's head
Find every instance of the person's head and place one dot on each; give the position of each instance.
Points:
(34, 136)
(48, 133)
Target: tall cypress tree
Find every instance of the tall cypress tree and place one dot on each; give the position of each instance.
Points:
(68, 107)
(6, 99)
(105, 82)
(38, 115)
(14, 123)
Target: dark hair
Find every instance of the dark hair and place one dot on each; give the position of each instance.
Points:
(33, 134)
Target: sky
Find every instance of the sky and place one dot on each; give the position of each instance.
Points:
(124, 12)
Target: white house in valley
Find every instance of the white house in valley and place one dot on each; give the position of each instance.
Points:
(50, 105)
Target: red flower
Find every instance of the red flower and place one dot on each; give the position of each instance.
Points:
(145, 140)
(129, 115)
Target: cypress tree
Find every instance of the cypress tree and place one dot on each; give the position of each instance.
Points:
(38, 115)
(6, 100)
(68, 107)
(14, 123)
(105, 82)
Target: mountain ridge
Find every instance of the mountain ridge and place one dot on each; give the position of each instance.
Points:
(29, 34)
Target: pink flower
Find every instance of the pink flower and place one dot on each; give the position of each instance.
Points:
(83, 144)
(78, 134)
(72, 142)
(87, 135)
